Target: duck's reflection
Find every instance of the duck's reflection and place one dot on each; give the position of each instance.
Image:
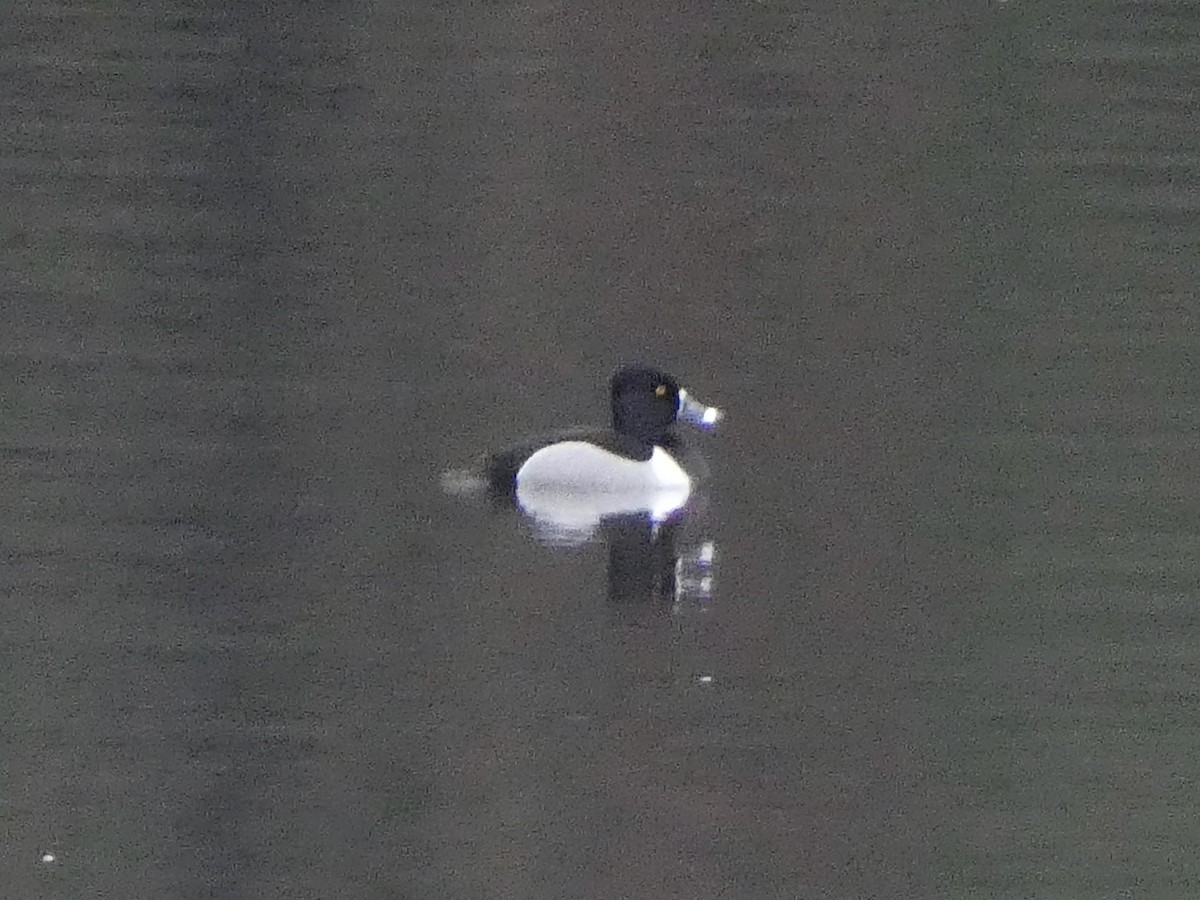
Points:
(649, 559)
(659, 550)
(641, 559)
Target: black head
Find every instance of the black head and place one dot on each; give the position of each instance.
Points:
(645, 403)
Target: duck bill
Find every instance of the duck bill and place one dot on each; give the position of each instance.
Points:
(701, 415)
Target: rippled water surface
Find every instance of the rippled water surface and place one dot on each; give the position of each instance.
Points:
(270, 271)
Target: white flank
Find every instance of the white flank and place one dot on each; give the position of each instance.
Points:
(571, 487)
(580, 466)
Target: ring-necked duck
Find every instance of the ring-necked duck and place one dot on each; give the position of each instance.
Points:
(576, 478)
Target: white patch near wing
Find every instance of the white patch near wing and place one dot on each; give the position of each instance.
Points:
(570, 487)
(580, 466)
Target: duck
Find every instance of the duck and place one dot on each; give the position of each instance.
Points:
(640, 465)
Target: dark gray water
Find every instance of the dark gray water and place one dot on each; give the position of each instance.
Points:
(270, 269)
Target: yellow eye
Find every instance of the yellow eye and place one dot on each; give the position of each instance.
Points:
(660, 391)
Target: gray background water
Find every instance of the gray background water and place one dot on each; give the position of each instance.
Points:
(268, 269)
